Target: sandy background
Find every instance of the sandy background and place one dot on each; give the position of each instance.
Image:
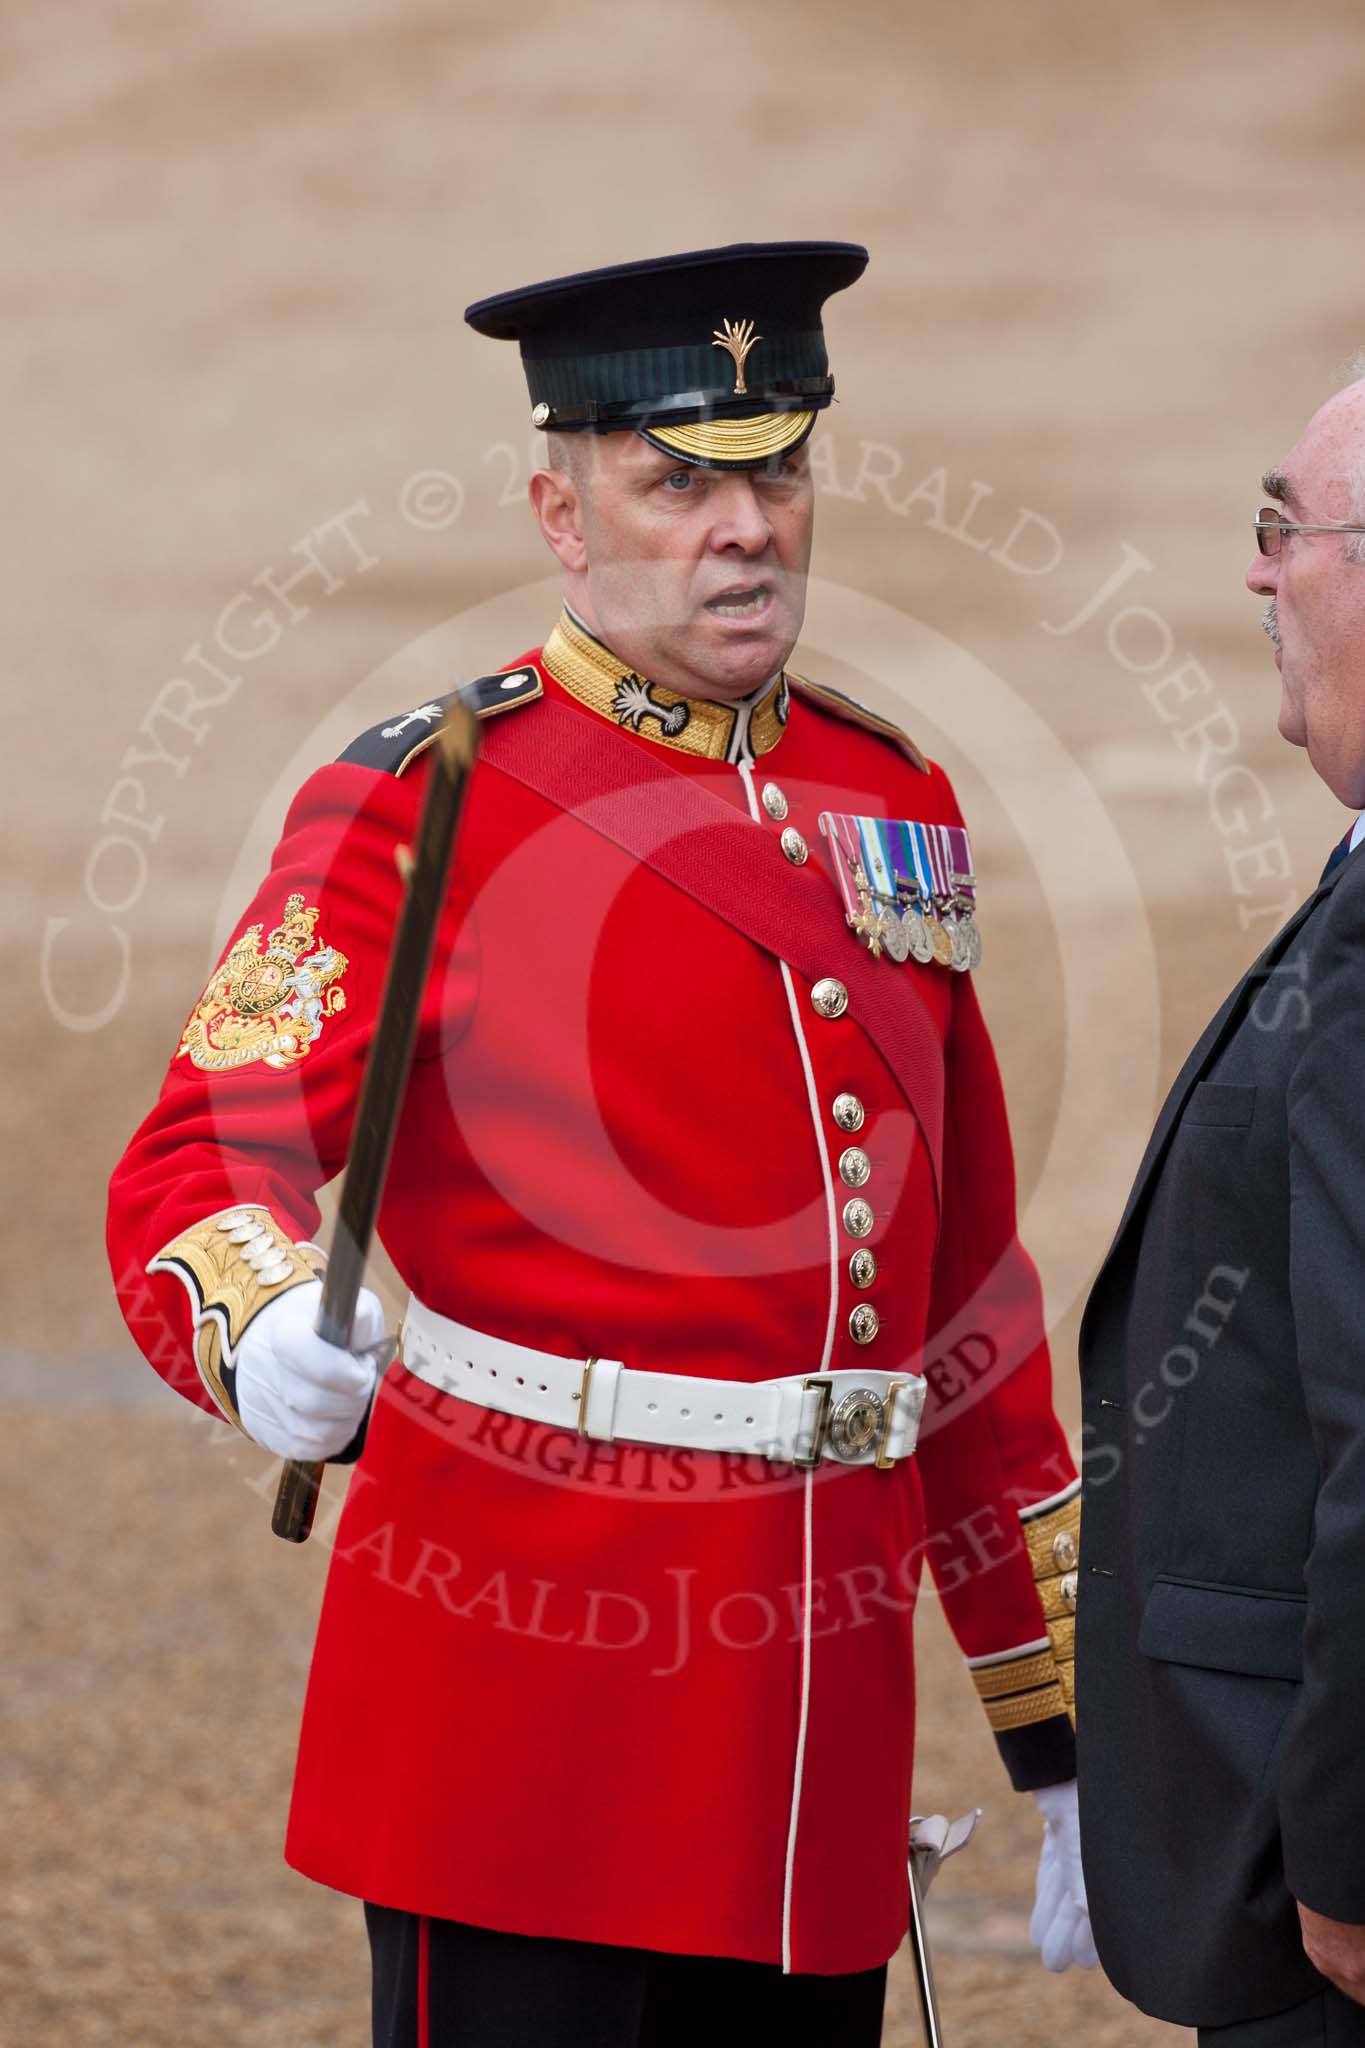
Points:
(1113, 268)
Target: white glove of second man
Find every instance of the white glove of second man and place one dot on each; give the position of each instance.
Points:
(1060, 1925)
(296, 1395)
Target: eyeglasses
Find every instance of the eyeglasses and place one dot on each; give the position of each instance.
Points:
(1271, 528)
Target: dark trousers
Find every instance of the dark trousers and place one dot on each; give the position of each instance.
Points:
(440, 1984)
(1329, 2021)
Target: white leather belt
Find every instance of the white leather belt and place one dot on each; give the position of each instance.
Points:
(858, 1418)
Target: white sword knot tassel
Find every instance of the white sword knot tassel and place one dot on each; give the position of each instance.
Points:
(934, 1838)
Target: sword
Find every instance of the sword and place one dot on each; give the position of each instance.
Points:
(932, 1840)
(426, 871)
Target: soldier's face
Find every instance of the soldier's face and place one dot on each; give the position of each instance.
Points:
(1317, 622)
(696, 577)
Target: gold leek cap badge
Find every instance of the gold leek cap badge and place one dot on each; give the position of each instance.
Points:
(737, 339)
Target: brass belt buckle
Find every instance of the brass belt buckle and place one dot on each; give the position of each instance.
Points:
(884, 1464)
(584, 1389)
(821, 1429)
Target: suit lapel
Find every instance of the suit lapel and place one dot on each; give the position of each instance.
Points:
(1206, 1050)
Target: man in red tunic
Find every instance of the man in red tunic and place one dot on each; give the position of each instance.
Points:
(703, 1190)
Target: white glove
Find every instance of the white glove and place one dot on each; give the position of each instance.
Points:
(1060, 1925)
(296, 1395)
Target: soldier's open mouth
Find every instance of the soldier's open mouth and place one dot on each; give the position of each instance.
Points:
(740, 604)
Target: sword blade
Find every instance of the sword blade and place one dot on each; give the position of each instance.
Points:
(386, 1075)
(924, 1968)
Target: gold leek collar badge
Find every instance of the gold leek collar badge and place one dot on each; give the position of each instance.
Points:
(690, 725)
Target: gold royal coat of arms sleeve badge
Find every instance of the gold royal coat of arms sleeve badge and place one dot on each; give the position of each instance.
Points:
(267, 1002)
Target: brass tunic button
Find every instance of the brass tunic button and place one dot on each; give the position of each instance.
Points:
(1068, 1589)
(858, 1217)
(855, 1168)
(864, 1323)
(862, 1268)
(773, 801)
(829, 997)
(848, 1112)
(1065, 1555)
(795, 847)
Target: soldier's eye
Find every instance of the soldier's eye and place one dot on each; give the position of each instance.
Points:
(679, 480)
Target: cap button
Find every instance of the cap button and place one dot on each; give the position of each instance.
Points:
(540, 414)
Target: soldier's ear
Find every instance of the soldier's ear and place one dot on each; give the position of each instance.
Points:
(557, 503)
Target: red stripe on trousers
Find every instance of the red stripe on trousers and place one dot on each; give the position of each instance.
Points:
(423, 1982)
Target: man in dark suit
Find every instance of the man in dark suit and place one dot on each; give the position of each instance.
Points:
(1221, 1614)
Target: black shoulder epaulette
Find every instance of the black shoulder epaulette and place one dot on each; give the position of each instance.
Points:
(396, 744)
(835, 702)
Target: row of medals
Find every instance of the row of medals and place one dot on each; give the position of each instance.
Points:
(942, 930)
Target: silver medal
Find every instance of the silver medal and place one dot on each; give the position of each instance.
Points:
(895, 937)
(965, 905)
(921, 946)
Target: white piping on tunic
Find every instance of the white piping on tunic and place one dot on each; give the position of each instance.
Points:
(789, 1874)
(747, 778)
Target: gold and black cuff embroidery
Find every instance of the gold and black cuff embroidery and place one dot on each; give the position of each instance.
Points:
(1036, 1681)
(231, 1265)
(1052, 1531)
(1019, 1686)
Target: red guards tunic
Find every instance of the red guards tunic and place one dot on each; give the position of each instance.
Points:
(644, 1696)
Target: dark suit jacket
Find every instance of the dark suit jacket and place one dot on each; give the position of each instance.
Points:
(1221, 1613)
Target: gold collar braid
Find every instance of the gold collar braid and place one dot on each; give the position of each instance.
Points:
(691, 725)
